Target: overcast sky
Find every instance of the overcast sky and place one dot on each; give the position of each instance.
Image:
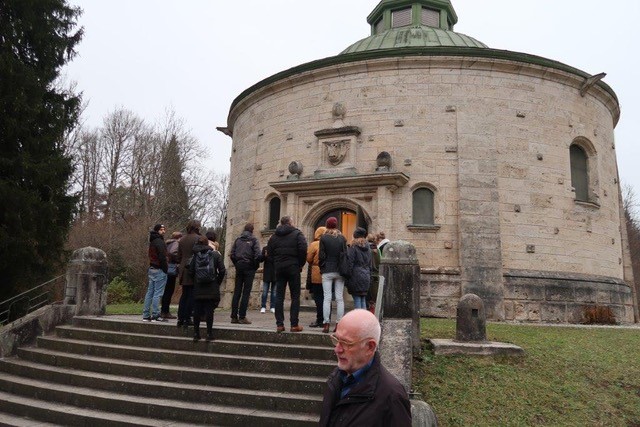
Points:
(196, 56)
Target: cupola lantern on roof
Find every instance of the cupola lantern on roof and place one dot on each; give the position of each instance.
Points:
(413, 23)
(401, 13)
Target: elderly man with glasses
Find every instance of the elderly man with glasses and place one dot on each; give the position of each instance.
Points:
(360, 391)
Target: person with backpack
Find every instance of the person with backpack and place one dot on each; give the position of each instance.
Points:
(185, 250)
(172, 274)
(246, 257)
(207, 271)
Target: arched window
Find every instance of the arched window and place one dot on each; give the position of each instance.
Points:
(579, 172)
(274, 213)
(423, 206)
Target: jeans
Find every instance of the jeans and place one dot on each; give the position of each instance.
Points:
(185, 307)
(290, 275)
(329, 279)
(265, 294)
(318, 298)
(242, 289)
(360, 301)
(168, 293)
(157, 281)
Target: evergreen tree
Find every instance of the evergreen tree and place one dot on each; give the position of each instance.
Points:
(37, 38)
(172, 197)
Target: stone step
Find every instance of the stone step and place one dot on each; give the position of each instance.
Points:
(212, 360)
(24, 411)
(219, 345)
(140, 406)
(178, 374)
(222, 331)
(16, 421)
(264, 400)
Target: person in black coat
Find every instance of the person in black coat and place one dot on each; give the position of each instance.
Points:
(268, 282)
(359, 261)
(360, 391)
(288, 247)
(206, 294)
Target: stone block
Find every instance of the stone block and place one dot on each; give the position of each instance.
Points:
(445, 289)
(586, 295)
(553, 312)
(559, 293)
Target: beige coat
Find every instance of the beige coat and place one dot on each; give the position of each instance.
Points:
(313, 253)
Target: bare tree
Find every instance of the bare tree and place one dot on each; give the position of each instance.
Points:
(120, 129)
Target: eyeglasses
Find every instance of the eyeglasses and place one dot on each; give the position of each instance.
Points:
(345, 344)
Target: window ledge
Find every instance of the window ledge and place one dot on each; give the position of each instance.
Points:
(267, 232)
(587, 204)
(417, 228)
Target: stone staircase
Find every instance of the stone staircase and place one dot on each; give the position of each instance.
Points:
(113, 372)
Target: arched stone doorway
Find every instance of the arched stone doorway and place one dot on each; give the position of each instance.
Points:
(349, 214)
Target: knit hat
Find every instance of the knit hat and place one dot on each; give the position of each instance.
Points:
(332, 222)
(359, 232)
(157, 227)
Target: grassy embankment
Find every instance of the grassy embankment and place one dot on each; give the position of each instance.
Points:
(569, 377)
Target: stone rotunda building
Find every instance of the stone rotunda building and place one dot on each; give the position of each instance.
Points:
(498, 166)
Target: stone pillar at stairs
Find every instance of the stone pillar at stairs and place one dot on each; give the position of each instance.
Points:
(400, 340)
(87, 281)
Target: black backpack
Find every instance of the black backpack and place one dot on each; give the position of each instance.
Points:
(204, 267)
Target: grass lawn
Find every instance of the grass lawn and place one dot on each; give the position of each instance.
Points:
(129, 308)
(568, 377)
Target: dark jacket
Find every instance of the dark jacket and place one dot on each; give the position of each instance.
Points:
(378, 400)
(157, 251)
(288, 247)
(360, 267)
(185, 250)
(268, 269)
(331, 246)
(245, 252)
(208, 290)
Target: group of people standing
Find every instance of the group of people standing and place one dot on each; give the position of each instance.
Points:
(195, 261)
(334, 263)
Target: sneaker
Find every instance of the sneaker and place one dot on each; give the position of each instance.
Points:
(244, 321)
(296, 328)
(234, 320)
(273, 310)
(263, 310)
(159, 319)
(280, 329)
(146, 319)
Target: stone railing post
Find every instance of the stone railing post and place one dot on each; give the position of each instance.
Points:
(401, 310)
(401, 322)
(87, 281)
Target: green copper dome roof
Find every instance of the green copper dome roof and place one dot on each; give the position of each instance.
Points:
(413, 23)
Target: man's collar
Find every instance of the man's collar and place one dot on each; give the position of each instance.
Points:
(357, 375)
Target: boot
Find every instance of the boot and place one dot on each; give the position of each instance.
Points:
(325, 328)
(196, 335)
(209, 336)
